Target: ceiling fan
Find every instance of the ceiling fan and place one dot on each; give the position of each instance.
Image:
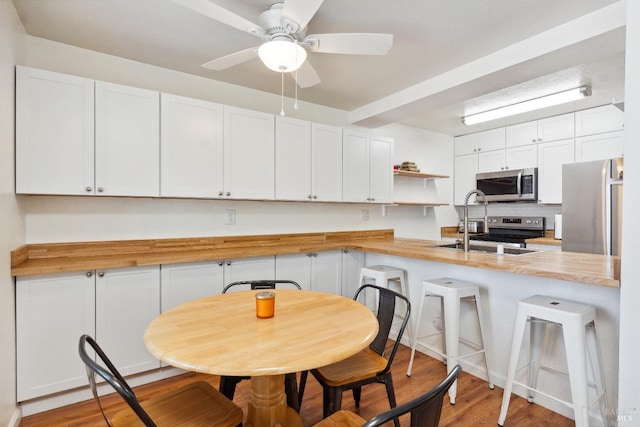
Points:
(285, 44)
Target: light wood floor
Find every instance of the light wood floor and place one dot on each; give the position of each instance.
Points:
(476, 404)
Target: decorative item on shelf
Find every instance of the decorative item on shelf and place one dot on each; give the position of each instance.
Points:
(409, 166)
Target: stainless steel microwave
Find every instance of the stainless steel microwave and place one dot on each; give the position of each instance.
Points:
(517, 185)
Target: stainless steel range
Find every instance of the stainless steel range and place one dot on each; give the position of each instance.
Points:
(512, 229)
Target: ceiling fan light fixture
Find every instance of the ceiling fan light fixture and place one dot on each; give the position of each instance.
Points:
(529, 105)
(282, 56)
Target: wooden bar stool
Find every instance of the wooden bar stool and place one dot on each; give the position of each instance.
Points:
(451, 292)
(578, 323)
(388, 277)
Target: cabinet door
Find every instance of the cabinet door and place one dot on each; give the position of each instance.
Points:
(258, 268)
(326, 272)
(326, 163)
(599, 120)
(493, 139)
(352, 262)
(127, 141)
(551, 157)
(355, 167)
(491, 161)
(556, 128)
(381, 169)
(465, 169)
(184, 282)
(599, 147)
(293, 159)
(52, 312)
(465, 144)
(191, 148)
(127, 300)
(525, 156)
(296, 267)
(249, 154)
(522, 134)
(54, 133)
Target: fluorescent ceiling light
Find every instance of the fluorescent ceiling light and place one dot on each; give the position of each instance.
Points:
(283, 56)
(530, 105)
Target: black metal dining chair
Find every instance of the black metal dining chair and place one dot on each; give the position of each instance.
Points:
(369, 365)
(194, 404)
(228, 383)
(424, 410)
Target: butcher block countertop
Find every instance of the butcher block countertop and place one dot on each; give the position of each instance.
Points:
(45, 258)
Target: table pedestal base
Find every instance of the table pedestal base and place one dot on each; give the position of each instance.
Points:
(268, 404)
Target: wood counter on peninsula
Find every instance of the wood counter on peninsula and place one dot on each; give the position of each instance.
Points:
(33, 259)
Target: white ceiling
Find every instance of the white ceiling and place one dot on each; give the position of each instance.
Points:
(448, 57)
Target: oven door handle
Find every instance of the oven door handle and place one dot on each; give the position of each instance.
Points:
(519, 184)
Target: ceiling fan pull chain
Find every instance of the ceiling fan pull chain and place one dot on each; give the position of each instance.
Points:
(282, 93)
(295, 104)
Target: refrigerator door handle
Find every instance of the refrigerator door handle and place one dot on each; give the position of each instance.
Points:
(606, 206)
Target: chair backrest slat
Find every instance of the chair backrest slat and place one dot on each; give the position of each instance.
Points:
(261, 284)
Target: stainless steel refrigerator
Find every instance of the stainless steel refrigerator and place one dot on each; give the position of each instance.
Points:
(592, 206)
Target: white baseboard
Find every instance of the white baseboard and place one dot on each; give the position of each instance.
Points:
(15, 418)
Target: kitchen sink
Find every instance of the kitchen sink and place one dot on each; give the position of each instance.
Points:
(508, 250)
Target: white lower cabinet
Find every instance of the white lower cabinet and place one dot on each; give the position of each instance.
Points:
(316, 271)
(180, 283)
(127, 300)
(352, 262)
(52, 311)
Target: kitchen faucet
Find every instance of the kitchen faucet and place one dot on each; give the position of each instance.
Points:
(465, 242)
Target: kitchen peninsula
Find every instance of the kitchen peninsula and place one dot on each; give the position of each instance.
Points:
(503, 279)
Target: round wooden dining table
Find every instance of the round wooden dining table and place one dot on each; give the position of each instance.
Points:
(221, 335)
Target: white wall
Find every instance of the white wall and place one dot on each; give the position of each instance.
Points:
(12, 47)
(55, 219)
(629, 390)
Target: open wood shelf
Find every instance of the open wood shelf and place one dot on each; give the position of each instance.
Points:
(418, 174)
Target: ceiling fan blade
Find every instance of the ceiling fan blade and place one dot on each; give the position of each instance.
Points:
(221, 14)
(301, 11)
(306, 76)
(232, 59)
(351, 43)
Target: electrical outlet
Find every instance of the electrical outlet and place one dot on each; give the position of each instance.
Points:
(231, 216)
(365, 214)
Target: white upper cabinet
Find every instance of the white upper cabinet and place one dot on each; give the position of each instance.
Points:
(249, 154)
(293, 159)
(489, 140)
(465, 170)
(544, 130)
(54, 133)
(599, 147)
(551, 157)
(127, 141)
(599, 120)
(308, 161)
(326, 163)
(191, 147)
(524, 156)
(367, 170)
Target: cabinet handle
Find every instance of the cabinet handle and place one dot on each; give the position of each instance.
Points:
(314, 254)
(220, 263)
(220, 193)
(89, 273)
(100, 189)
(101, 274)
(534, 140)
(475, 149)
(228, 262)
(88, 189)
(309, 196)
(346, 251)
(315, 197)
(309, 254)
(373, 199)
(479, 149)
(539, 139)
(228, 193)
